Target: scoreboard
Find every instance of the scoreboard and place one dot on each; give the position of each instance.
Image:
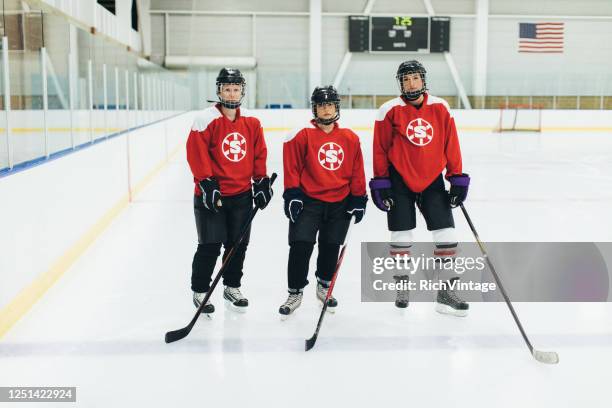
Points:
(399, 34)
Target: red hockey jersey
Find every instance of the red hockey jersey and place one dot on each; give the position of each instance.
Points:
(327, 167)
(231, 152)
(418, 142)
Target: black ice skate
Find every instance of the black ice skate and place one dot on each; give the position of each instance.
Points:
(208, 308)
(448, 302)
(293, 302)
(322, 294)
(401, 300)
(234, 299)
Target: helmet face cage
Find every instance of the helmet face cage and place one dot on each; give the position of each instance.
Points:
(230, 76)
(322, 96)
(410, 68)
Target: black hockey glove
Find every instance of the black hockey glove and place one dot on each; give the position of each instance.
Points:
(211, 194)
(294, 203)
(356, 206)
(459, 189)
(262, 192)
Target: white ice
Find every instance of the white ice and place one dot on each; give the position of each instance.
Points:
(101, 327)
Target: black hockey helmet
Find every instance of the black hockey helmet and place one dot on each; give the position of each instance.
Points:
(323, 95)
(407, 68)
(230, 76)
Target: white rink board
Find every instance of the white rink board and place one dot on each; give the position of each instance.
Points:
(47, 208)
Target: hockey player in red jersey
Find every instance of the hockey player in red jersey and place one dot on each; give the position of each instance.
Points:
(324, 188)
(227, 154)
(415, 140)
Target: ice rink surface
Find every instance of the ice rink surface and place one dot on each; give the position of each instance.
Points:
(101, 327)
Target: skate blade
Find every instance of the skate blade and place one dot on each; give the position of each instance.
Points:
(401, 311)
(330, 309)
(208, 315)
(230, 306)
(203, 313)
(284, 317)
(447, 310)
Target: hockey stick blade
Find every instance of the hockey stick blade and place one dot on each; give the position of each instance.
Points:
(179, 334)
(311, 341)
(546, 357)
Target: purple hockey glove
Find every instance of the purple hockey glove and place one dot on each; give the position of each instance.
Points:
(382, 195)
(459, 188)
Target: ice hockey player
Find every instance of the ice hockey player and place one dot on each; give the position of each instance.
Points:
(415, 139)
(226, 151)
(324, 188)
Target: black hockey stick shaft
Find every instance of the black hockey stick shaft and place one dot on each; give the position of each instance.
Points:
(179, 334)
(497, 279)
(311, 341)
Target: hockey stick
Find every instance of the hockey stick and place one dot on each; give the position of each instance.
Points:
(311, 341)
(548, 357)
(179, 334)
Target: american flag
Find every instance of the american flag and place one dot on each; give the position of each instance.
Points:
(541, 37)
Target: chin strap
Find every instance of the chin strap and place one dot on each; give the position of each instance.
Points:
(325, 122)
(238, 104)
